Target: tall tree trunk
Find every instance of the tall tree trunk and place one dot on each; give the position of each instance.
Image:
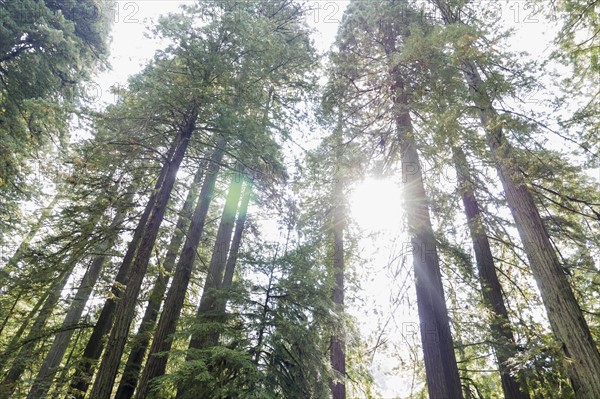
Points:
(337, 352)
(161, 341)
(209, 301)
(582, 359)
(504, 341)
(84, 368)
(54, 357)
(441, 370)
(28, 346)
(266, 308)
(208, 306)
(142, 338)
(125, 309)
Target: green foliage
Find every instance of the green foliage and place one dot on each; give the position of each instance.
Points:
(249, 71)
(47, 50)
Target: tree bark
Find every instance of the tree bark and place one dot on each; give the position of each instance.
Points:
(208, 306)
(161, 341)
(60, 344)
(504, 341)
(84, 369)
(441, 370)
(582, 359)
(337, 352)
(125, 309)
(10, 312)
(142, 338)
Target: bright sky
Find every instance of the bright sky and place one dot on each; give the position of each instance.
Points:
(374, 204)
(131, 49)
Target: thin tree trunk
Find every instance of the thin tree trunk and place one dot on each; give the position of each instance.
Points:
(9, 314)
(54, 357)
(504, 341)
(125, 309)
(84, 369)
(63, 378)
(14, 342)
(232, 259)
(28, 348)
(260, 335)
(337, 353)
(161, 341)
(236, 243)
(209, 301)
(29, 345)
(142, 338)
(208, 306)
(441, 370)
(16, 257)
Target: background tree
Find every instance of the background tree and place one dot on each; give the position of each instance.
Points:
(47, 51)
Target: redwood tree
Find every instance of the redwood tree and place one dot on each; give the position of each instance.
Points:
(566, 318)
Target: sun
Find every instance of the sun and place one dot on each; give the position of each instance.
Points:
(375, 205)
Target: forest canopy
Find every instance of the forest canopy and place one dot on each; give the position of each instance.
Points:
(411, 212)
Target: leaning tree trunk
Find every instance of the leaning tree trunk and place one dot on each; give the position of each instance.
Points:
(161, 341)
(504, 341)
(582, 359)
(49, 368)
(142, 338)
(29, 348)
(10, 312)
(6, 311)
(16, 257)
(441, 370)
(14, 341)
(214, 277)
(125, 309)
(84, 368)
(208, 307)
(27, 351)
